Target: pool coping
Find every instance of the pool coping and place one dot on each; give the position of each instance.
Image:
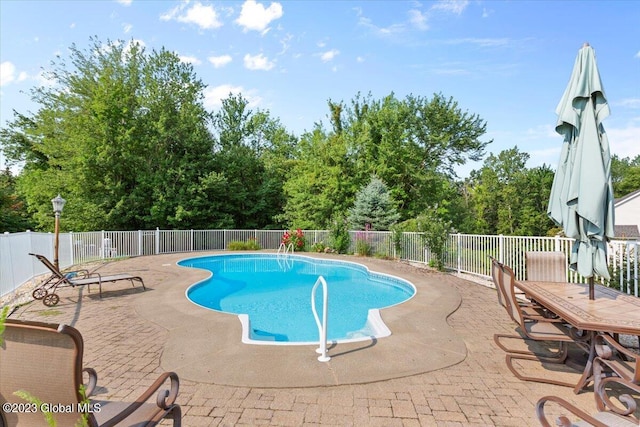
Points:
(205, 345)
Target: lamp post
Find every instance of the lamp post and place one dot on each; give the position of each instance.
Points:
(58, 203)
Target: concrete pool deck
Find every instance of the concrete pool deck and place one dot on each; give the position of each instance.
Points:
(439, 366)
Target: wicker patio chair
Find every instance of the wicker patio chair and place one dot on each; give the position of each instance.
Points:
(615, 407)
(45, 361)
(47, 291)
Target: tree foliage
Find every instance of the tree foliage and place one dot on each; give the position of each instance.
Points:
(507, 198)
(411, 144)
(374, 209)
(123, 135)
(13, 212)
(625, 175)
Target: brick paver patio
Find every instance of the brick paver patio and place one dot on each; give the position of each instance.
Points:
(126, 351)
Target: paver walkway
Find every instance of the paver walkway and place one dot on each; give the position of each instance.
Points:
(126, 349)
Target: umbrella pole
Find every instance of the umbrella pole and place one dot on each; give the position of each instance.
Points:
(591, 288)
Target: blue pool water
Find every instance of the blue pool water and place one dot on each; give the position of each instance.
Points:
(274, 292)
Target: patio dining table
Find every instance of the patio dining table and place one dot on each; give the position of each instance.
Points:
(610, 312)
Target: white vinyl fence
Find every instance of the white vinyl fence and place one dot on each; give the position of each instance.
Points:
(465, 253)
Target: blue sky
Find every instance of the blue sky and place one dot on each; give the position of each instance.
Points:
(507, 61)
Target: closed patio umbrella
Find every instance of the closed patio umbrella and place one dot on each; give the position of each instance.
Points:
(581, 199)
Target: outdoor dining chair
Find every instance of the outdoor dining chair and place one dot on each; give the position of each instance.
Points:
(546, 266)
(614, 400)
(42, 363)
(531, 308)
(615, 359)
(537, 329)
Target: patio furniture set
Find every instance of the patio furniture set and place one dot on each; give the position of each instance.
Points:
(553, 317)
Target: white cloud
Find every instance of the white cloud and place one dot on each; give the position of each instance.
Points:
(190, 59)
(329, 55)
(125, 2)
(381, 31)
(360, 59)
(418, 19)
(129, 45)
(482, 42)
(204, 17)
(7, 73)
(213, 96)
(624, 142)
(255, 16)
(127, 28)
(22, 76)
(628, 103)
(286, 43)
(220, 61)
(637, 55)
(257, 62)
(452, 6)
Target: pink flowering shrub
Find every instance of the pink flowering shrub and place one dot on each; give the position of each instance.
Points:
(296, 238)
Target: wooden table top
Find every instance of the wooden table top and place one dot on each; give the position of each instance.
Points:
(611, 311)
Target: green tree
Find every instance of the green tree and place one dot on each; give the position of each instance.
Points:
(625, 175)
(412, 144)
(321, 183)
(373, 208)
(122, 135)
(13, 212)
(252, 152)
(507, 198)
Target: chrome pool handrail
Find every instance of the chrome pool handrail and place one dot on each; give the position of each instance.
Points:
(322, 326)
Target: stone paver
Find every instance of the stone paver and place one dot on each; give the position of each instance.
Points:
(126, 350)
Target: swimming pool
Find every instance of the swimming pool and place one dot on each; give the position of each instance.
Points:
(271, 294)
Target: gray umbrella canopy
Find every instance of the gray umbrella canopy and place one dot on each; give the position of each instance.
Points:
(581, 199)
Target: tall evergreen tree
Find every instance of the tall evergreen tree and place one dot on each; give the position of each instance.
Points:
(374, 208)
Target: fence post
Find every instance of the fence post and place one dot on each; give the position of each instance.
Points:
(157, 240)
(139, 242)
(459, 249)
(102, 244)
(71, 248)
(635, 266)
(192, 240)
(501, 247)
(557, 243)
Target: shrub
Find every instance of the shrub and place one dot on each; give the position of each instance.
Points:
(339, 235)
(296, 238)
(249, 245)
(318, 247)
(363, 247)
(435, 231)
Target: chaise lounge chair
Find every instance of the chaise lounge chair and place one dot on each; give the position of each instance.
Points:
(46, 291)
(44, 361)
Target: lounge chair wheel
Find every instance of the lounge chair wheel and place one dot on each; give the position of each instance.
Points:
(51, 300)
(39, 293)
